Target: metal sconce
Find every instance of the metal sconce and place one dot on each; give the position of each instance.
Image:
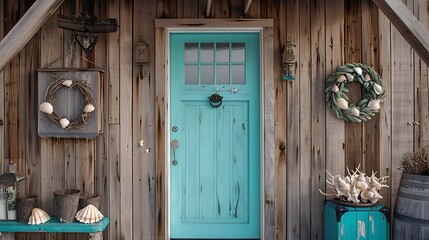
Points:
(142, 57)
(289, 59)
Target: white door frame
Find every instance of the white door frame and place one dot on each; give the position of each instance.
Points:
(163, 29)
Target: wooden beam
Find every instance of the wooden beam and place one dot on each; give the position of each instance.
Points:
(209, 6)
(24, 30)
(247, 6)
(408, 25)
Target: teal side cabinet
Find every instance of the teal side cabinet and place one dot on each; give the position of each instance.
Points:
(363, 223)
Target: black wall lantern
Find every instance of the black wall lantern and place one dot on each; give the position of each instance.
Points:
(86, 25)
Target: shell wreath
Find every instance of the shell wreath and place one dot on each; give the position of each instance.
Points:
(373, 94)
(84, 89)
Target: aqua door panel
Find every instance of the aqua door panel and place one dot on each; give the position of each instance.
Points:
(214, 187)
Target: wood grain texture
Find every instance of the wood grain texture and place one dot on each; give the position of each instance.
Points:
(161, 109)
(385, 140)
(353, 53)
(34, 18)
(280, 144)
(144, 171)
(305, 95)
(293, 227)
(2, 88)
(113, 65)
(269, 135)
(402, 104)
(335, 137)
(125, 118)
(318, 122)
(413, 31)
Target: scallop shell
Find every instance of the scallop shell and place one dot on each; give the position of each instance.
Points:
(89, 214)
(67, 83)
(341, 78)
(46, 107)
(342, 103)
(358, 70)
(349, 77)
(335, 88)
(64, 122)
(367, 78)
(38, 216)
(89, 108)
(378, 89)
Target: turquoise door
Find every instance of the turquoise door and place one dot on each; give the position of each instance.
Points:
(215, 150)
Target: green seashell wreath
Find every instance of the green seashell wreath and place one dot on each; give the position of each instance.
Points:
(373, 92)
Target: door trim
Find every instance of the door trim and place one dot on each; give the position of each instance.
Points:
(163, 27)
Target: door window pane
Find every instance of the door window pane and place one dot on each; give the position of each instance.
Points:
(207, 52)
(191, 52)
(207, 74)
(222, 52)
(238, 74)
(191, 74)
(222, 74)
(238, 52)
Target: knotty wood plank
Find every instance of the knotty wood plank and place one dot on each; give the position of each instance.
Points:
(2, 90)
(414, 32)
(278, 13)
(85, 161)
(402, 102)
(144, 171)
(370, 141)
(269, 136)
(220, 23)
(353, 131)
(22, 32)
(113, 179)
(421, 112)
(125, 118)
(293, 186)
(318, 114)
(335, 134)
(161, 109)
(385, 140)
(305, 94)
(113, 64)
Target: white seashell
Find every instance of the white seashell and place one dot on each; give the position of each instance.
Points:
(374, 104)
(67, 83)
(89, 214)
(367, 78)
(353, 195)
(358, 70)
(64, 122)
(341, 78)
(38, 216)
(342, 187)
(335, 88)
(349, 77)
(371, 195)
(378, 89)
(89, 108)
(355, 112)
(46, 107)
(361, 182)
(342, 103)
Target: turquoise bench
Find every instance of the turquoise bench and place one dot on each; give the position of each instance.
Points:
(9, 228)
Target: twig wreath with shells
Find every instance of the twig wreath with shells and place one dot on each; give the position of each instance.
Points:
(84, 89)
(374, 92)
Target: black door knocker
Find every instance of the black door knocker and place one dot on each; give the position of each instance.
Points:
(215, 100)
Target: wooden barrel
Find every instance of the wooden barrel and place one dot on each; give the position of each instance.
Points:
(411, 216)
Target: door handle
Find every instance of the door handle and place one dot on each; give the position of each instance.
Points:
(174, 145)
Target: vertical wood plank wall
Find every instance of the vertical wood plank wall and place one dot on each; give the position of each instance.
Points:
(308, 137)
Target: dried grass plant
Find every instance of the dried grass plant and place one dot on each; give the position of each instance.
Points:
(416, 162)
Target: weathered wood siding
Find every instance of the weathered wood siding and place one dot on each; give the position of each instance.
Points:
(308, 137)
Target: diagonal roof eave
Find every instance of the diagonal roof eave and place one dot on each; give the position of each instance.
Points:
(25, 29)
(414, 32)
